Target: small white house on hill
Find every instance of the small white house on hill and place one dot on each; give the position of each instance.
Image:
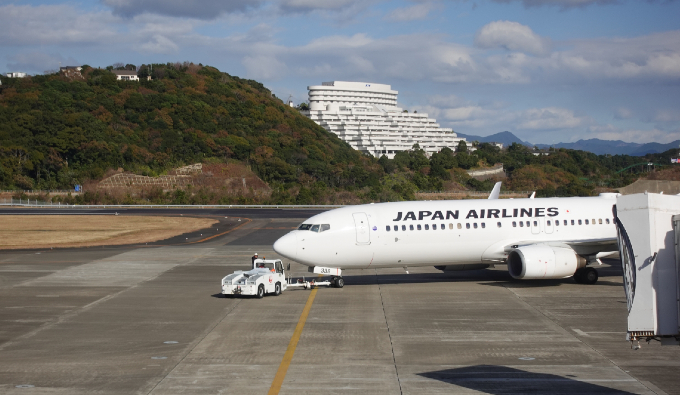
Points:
(126, 75)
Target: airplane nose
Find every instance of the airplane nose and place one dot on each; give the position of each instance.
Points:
(287, 246)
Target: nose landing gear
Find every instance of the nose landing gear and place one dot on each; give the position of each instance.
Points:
(338, 282)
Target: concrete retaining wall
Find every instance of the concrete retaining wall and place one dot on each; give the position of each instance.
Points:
(652, 186)
(123, 180)
(483, 174)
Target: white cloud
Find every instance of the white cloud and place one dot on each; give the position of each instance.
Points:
(432, 57)
(667, 115)
(255, 10)
(364, 57)
(201, 9)
(654, 57)
(550, 118)
(39, 61)
(563, 4)
(264, 67)
(623, 113)
(512, 36)
(436, 60)
(412, 13)
(54, 25)
(631, 135)
(313, 5)
(446, 101)
(484, 118)
(159, 44)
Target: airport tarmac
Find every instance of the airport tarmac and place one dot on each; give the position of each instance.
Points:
(150, 320)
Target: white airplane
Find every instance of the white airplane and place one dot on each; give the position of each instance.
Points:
(538, 238)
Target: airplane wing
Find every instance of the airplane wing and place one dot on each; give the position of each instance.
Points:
(581, 247)
(585, 248)
(592, 247)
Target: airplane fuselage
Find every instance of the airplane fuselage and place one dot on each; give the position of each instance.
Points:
(450, 232)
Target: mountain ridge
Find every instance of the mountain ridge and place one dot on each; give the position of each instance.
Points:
(596, 146)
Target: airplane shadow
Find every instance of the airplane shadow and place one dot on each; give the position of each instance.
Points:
(546, 283)
(499, 278)
(417, 278)
(491, 379)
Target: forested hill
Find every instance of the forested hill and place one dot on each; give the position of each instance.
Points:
(57, 131)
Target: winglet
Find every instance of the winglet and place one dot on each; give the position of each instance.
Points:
(496, 191)
(533, 194)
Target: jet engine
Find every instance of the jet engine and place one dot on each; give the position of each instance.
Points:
(542, 261)
(459, 268)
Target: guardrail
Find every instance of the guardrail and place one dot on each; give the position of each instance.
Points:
(201, 206)
(38, 191)
(11, 202)
(474, 193)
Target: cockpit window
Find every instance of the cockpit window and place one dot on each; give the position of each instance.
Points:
(315, 227)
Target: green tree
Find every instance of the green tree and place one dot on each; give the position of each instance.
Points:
(462, 146)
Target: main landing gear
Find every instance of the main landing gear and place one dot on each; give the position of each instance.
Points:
(337, 282)
(586, 275)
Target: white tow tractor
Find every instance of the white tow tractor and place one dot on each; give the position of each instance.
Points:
(269, 277)
(266, 277)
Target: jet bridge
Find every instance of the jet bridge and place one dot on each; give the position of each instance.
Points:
(648, 231)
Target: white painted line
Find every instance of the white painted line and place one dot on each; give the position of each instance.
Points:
(580, 332)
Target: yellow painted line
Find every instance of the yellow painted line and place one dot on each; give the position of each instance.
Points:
(288, 356)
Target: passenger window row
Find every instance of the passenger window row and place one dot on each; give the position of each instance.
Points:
(565, 222)
(475, 225)
(434, 226)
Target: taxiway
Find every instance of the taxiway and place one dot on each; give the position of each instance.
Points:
(149, 319)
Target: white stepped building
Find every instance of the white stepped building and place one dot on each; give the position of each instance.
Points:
(366, 116)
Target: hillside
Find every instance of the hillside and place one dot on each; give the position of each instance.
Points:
(56, 132)
(122, 140)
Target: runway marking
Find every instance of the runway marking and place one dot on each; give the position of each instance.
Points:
(290, 351)
(58, 214)
(580, 332)
(284, 227)
(248, 220)
(38, 263)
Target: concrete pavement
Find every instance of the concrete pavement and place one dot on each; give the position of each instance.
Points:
(149, 320)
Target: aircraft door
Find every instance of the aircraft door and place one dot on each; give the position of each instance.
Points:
(362, 228)
(535, 226)
(549, 225)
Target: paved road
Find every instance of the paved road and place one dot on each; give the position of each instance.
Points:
(149, 320)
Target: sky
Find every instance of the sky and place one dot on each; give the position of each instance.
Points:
(548, 71)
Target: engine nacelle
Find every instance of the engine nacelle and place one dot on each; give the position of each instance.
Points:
(542, 262)
(459, 268)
